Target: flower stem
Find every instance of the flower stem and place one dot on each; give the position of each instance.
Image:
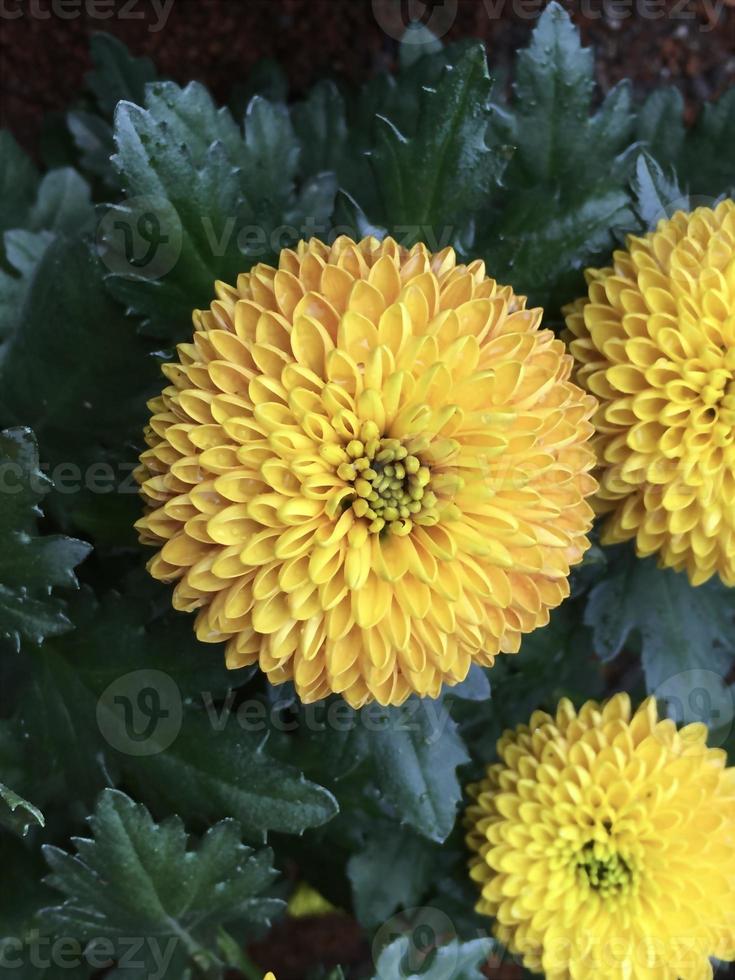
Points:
(236, 956)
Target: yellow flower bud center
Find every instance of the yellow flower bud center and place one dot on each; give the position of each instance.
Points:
(606, 871)
(392, 486)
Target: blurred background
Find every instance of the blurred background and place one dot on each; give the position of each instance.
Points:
(44, 44)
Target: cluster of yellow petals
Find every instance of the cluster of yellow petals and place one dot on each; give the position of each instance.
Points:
(370, 467)
(604, 845)
(655, 342)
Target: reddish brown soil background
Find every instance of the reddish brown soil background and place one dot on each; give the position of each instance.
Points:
(43, 58)
(43, 55)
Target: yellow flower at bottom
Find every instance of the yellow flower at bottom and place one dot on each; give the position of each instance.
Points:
(269, 976)
(604, 845)
(655, 342)
(369, 469)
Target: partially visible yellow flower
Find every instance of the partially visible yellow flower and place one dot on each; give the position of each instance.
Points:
(655, 342)
(604, 845)
(368, 470)
(269, 976)
(307, 902)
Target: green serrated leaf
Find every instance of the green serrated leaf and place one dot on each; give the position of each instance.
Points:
(83, 389)
(138, 878)
(30, 565)
(393, 871)
(681, 628)
(432, 180)
(271, 151)
(267, 79)
(58, 723)
(657, 196)
(92, 137)
(455, 961)
(543, 249)
(553, 95)
(660, 124)
(213, 769)
(706, 161)
(117, 76)
(24, 866)
(94, 695)
(179, 156)
(16, 813)
(416, 750)
(82, 386)
(215, 203)
(23, 251)
(320, 125)
(118, 634)
(63, 204)
(566, 186)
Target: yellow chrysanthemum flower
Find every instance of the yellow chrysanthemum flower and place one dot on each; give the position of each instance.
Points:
(604, 845)
(655, 342)
(369, 469)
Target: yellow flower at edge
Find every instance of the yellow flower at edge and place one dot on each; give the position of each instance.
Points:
(306, 902)
(369, 469)
(655, 342)
(269, 976)
(604, 845)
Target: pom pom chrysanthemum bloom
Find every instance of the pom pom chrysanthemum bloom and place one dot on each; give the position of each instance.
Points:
(369, 468)
(655, 342)
(604, 845)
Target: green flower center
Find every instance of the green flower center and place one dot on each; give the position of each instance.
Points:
(605, 870)
(391, 485)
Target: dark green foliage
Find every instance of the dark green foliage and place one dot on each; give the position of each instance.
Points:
(680, 627)
(31, 564)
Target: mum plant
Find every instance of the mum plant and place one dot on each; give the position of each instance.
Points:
(309, 411)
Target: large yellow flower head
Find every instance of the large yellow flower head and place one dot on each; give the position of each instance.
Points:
(369, 468)
(655, 342)
(604, 845)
